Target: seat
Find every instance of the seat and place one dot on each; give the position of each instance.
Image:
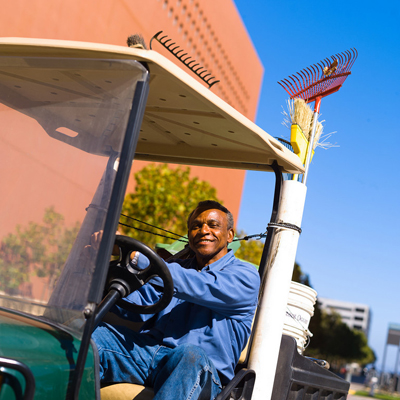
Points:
(126, 391)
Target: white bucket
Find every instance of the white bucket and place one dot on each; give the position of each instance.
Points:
(298, 334)
(300, 309)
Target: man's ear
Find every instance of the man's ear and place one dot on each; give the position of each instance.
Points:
(231, 235)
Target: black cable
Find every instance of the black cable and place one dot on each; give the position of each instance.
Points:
(248, 237)
(153, 233)
(153, 226)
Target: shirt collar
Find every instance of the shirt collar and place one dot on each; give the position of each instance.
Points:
(217, 265)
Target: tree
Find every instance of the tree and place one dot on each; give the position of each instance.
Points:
(14, 262)
(163, 197)
(332, 338)
(42, 248)
(338, 343)
(56, 241)
(299, 276)
(250, 250)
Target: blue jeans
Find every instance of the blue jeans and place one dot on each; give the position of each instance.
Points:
(182, 373)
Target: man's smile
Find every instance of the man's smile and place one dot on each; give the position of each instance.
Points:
(204, 241)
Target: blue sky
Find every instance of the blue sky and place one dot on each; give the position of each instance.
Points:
(351, 220)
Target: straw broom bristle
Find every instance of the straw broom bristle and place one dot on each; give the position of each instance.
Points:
(300, 113)
(303, 116)
(318, 131)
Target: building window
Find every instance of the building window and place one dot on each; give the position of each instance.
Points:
(359, 327)
(339, 308)
(359, 318)
(360, 309)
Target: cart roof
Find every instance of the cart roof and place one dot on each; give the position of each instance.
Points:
(184, 121)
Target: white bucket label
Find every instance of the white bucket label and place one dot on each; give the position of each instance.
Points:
(299, 318)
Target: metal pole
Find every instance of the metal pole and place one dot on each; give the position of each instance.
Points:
(275, 288)
(395, 369)
(383, 364)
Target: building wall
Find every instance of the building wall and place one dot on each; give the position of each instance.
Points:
(211, 32)
(355, 315)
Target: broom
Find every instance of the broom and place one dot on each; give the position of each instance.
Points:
(299, 120)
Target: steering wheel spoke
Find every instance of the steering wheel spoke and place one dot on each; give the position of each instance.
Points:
(123, 273)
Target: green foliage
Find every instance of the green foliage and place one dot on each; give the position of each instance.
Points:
(163, 197)
(299, 276)
(42, 248)
(332, 339)
(381, 396)
(335, 341)
(250, 250)
(14, 262)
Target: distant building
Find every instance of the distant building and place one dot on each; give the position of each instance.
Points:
(355, 315)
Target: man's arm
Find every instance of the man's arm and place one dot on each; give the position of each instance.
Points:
(232, 291)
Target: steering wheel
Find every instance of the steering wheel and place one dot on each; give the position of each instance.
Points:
(122, 273)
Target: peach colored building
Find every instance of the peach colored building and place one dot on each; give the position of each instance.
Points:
(211, 32)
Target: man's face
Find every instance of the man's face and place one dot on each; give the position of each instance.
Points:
(209, 235)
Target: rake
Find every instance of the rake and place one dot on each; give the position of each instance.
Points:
(318, 81)
(183, 57)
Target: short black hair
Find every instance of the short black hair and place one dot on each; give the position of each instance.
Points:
(212, 204)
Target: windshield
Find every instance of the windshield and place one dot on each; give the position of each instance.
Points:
(62, 124)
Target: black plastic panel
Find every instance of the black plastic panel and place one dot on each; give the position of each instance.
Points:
(298, 378)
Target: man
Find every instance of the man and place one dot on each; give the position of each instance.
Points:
(188, 350)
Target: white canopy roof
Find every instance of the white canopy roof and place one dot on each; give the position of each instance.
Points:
(184, 121)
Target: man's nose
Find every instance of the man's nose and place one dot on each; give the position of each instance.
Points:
(205, 228)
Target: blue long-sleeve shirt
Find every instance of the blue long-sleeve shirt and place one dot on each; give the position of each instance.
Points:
(212, 308)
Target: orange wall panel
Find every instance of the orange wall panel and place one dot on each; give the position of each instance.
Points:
(211, 31)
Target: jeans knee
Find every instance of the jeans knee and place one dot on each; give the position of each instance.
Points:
(192, 353)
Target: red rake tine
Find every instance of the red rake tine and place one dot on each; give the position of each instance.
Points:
(301, 79)
(305, 77)
(292, 77)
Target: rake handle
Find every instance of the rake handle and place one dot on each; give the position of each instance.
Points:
(310, 146)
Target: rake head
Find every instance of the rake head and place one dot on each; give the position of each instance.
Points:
(188, 61)
(321, 79)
